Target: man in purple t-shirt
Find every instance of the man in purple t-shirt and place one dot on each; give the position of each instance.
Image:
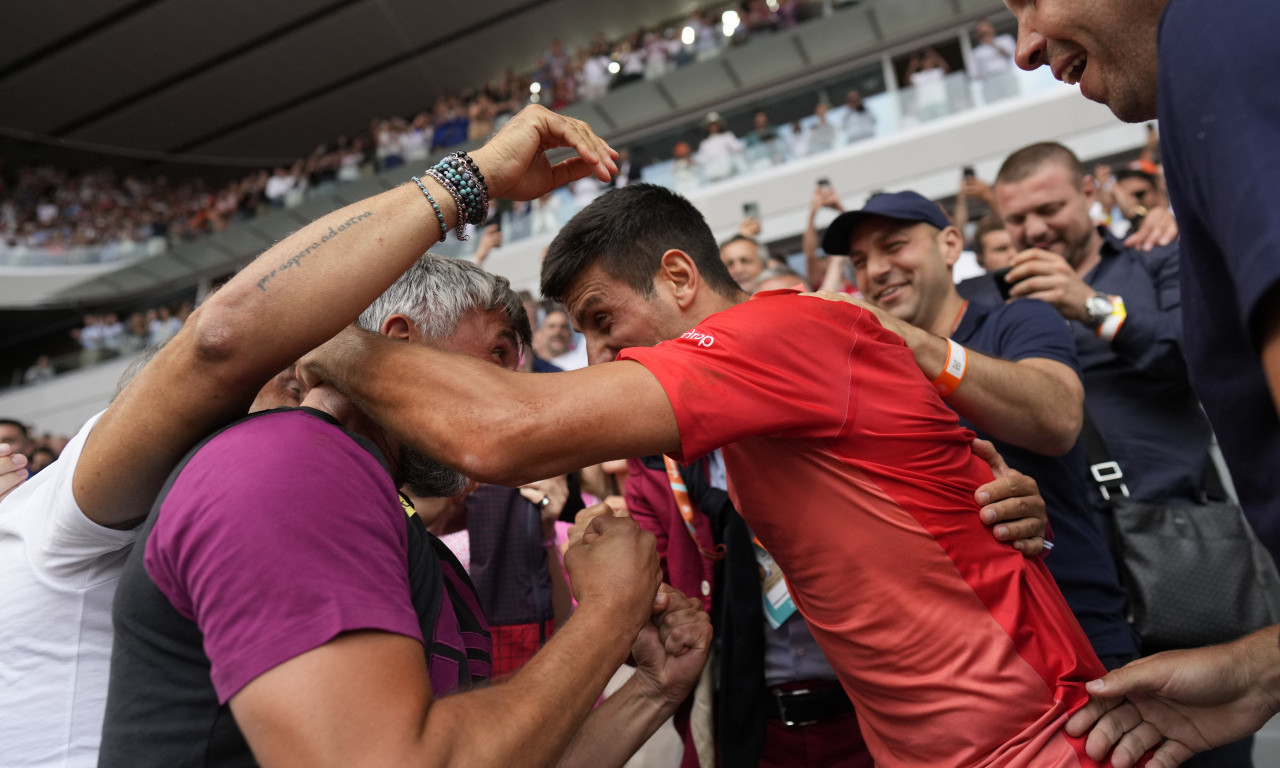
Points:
(272, 601)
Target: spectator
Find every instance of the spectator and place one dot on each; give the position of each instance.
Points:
(776, 278)
(684, 168)
(741, 256)
(1198, 699)
(759, 18)
(552, 339)
(136, 336)
(859, 122)
(40, 372)
(279, 186)
(112, 334)
(991, 63)
(659, 49)
(1123, 309)
(927, 72)
(163, 327)
(16, 435)
(595, 73)
(719, 151)
(992, 244)
(828, 270)
(90, 338)
(41, 457)
(822, 134)
(707, 35)
(415, 142)
(631, 58)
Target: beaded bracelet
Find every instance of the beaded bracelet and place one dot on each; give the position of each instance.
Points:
(444, 228)
(461, 175)
(449, 187)
(484, 187)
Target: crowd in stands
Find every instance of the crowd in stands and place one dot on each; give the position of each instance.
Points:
(843, 421)
(53, 209)
(126, 214)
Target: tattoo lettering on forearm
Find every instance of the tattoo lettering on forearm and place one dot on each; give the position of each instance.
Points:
(297, 258)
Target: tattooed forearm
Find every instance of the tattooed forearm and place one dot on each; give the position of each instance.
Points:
(297, 258)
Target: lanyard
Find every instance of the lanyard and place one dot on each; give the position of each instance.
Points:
(681, 494)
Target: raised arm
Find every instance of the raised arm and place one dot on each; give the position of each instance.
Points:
(491, 424)
(291, 298)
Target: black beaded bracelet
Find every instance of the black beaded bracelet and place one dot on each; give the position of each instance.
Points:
(444, 228)
(484, 186)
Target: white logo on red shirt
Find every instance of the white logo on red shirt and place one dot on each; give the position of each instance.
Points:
(701, 339)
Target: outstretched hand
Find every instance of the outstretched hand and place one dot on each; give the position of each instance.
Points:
(1183, 701)
(515, 164)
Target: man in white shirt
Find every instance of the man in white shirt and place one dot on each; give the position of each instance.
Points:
(991, 62)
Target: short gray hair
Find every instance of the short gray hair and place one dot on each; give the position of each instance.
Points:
(437, 291)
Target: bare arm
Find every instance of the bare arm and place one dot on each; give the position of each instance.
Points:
(1035, 403)
(495, 425)
(818, 268)
(291, 298)
(365, 697)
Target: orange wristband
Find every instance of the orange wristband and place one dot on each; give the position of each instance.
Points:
(953, 372)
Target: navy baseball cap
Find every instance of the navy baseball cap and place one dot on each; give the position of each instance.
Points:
(907, 206)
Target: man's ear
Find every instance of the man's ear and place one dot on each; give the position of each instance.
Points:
(950, 245)
(398, 327)
(680, 275)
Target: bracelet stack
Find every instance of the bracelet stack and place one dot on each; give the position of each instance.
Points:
(460, 176)
(444, 228)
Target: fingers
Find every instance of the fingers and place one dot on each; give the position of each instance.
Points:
(1030, 547)
(1134, 743)
(1087, 716)
(986, 450)
(1018, 529)
(1106, 735)
(683, 625)
(1170, 755)
(13, 469)
(1158, 228)
(582, 522)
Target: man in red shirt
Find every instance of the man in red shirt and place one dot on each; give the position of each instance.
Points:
(841, 457)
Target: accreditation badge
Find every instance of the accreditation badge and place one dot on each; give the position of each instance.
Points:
(778, 605)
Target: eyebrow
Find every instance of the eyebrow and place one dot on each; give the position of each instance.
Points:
(575, 318)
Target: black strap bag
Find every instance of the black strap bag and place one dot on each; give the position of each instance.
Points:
(1195, 573)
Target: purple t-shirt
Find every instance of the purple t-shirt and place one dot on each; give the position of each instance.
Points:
(278, 535)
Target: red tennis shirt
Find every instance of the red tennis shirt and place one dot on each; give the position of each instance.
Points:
(955, 649)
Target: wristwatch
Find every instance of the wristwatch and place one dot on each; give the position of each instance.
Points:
(1097, 308)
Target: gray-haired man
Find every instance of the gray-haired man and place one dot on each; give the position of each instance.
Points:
(289, 584)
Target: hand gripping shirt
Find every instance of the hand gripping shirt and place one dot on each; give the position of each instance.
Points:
(955, 649)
